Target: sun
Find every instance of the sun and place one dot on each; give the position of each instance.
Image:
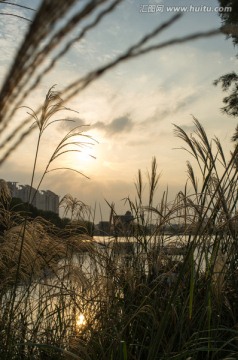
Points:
(81, 321)
(83, 155)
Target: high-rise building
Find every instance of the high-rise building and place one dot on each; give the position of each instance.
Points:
(44, 200)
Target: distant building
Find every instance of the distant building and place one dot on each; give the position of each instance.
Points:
(104, 228)
(122, 224)
(43, 200)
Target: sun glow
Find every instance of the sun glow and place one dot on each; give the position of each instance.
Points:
(82, 155)
(81, 321)
(86, 153)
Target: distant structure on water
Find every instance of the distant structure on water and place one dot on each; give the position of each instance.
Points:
(42, 199)
(122, 224)
(119, 225)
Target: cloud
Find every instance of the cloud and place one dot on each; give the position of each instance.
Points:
(119, 125)
(173, 108)
(116, 126)
(188, 128)
(12, 32)
(72, 122)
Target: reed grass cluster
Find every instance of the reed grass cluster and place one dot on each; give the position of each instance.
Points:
(153, 295)
(147, 295)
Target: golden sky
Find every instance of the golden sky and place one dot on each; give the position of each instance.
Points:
(131, 110)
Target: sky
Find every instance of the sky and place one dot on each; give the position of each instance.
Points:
(130, 112)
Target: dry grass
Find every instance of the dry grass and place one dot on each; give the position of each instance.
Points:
(142, 305)
(40, 250)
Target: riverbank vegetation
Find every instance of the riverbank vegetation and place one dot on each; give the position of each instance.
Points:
(70, 297)
(63, 295)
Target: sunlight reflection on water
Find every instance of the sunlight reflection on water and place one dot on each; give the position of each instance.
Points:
(72, 297)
